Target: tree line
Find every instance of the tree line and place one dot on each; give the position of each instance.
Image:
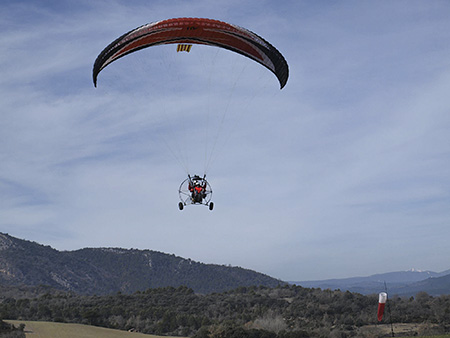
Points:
(286, 311)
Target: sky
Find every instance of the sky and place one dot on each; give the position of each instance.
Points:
(343, 173)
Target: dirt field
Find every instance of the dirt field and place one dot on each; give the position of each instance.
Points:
(63, 330)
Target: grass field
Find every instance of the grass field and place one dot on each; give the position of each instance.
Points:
(64, 330)
(400, 329)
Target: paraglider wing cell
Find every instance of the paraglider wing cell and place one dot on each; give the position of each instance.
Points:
(196, 31)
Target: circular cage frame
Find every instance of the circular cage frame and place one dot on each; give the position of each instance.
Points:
(185, 194)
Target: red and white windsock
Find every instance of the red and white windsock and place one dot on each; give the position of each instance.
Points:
(382, 298)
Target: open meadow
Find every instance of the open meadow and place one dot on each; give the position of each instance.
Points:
(38, 329)
(34, 329)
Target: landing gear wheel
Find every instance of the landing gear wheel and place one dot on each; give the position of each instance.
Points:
(180, 206)
(211, 205)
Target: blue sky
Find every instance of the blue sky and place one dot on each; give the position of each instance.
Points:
(345, 172)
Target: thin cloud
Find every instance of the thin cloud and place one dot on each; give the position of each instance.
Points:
(350, 154)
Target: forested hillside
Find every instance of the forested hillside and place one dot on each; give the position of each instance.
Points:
(285, 311)
(109, 270)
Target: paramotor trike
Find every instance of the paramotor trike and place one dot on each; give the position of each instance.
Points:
(195, 190)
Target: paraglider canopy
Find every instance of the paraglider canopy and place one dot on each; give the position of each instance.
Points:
(186, 32)
(196, 31)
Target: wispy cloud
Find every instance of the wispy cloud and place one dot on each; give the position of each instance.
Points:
(339, 170)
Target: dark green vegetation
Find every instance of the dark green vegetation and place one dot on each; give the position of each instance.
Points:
(10, 331)
(284, 311)
(109, 270)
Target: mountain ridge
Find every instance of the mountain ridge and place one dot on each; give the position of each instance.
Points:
(402, 283)
(110, 270)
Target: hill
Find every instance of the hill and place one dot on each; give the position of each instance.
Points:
(433, 286)
(404, 283)
(110, 270)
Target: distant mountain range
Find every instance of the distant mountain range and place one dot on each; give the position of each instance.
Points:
(402, 283)
(110, 270)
